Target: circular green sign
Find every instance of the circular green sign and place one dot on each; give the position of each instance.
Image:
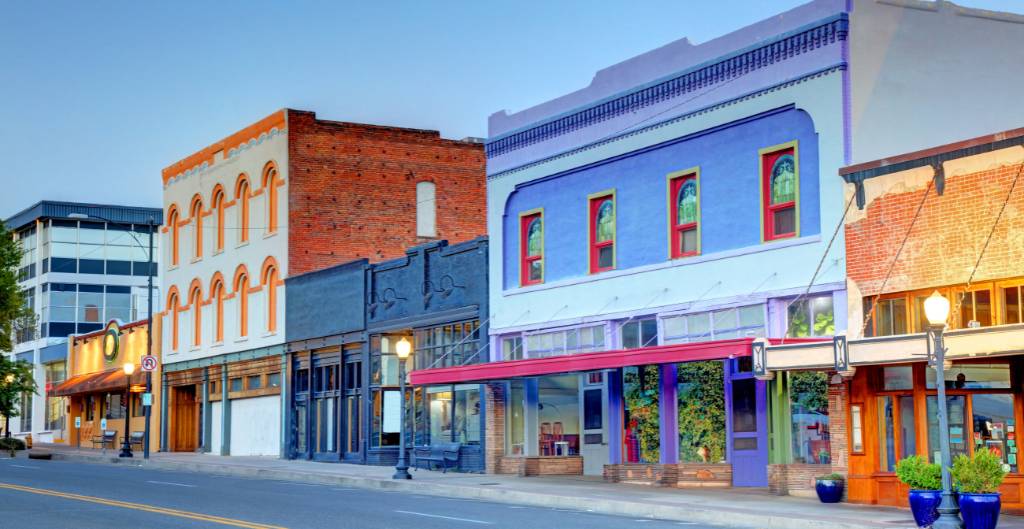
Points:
(111, 342)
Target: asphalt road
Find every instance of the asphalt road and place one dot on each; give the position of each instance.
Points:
(65, 495)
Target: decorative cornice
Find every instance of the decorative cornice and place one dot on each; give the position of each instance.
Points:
(642, 130)
(740, 63)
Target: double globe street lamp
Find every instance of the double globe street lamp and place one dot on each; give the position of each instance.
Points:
(126, 448)
(403, 349)
(936, 310)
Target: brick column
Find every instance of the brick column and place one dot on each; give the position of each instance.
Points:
(838, 411)
(494, 436)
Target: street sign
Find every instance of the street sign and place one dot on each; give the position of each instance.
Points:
(103, 424)
(148, 363)
(78, 422)
(147, 399)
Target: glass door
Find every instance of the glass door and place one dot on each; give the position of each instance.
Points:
(324, 424)
(593, 403)
(352, 384)
(300, 412)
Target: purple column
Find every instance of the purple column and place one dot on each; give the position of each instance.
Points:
(615, 417)
(727, 380)
(668, 414)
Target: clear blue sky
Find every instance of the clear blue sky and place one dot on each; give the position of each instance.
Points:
(97, 97)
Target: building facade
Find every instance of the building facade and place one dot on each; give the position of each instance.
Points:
(287, 195)
(83, 265)
(651, 230)
(345, 399)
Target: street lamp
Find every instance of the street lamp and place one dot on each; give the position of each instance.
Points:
(9, 379)
(403, 349)
(936, 309)
(126, 448)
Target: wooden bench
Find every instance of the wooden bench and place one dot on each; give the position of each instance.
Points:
(109, 437)
(444, 454)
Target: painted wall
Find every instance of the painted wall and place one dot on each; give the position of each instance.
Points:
(728, 161)
(326, 302)
(252, 434)
(940, 71)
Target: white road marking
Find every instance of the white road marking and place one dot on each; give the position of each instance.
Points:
(25, 466)
(344, 490)
(171, 483)
(481, 522)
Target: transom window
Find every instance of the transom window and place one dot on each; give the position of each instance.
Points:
(531, 245)
(602, 232)
(780, 191)
(1013, 304)
(810, 317)
(684, 209)
(569, 341)
(639, 333)
(723, 324)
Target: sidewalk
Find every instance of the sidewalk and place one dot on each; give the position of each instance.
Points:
(754, 508)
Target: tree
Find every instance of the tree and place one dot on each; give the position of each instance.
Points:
(15, 318)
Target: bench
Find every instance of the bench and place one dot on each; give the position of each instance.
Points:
(444, 454)
(109, 437)
(136, 439)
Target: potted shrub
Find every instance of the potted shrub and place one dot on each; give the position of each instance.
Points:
(829, 488)
(925, 482)
(977, 480)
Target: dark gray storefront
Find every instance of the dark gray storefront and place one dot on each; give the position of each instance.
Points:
(342, 327)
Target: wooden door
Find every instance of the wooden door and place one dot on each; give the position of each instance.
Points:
(185, 420)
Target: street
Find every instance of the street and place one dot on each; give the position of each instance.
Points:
(60, 495)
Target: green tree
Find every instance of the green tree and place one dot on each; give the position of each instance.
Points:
(15, 318)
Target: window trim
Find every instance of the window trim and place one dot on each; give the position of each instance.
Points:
(768, 211)
(592, 245)
(524, 259)
(675, 250)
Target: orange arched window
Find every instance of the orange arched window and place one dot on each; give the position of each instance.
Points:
(217, 298)
(172, 311)
(217, 203)
(241, 287)
(196, 212)
(172, 228)
(270, 187)
(195, 300)
(242, 193)
(269, 277)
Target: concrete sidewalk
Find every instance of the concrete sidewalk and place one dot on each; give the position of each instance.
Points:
(754, 508)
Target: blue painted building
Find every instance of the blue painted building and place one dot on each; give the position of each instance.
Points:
(343, 326)
(651, 228)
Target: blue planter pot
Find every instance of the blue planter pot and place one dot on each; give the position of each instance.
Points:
(980, 511)
(924, 504)
(829, 490)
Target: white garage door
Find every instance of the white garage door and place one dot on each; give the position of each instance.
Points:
(256, 426)
(215, 427)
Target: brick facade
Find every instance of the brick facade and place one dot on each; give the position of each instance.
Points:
(795, 479)
(681, 475)
(352, 192)
(948, 236)
(494, 443)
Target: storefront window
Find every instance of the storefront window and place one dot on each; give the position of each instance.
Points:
(558, 415)
(55, 374)
(387, 408)
(973, 376)
(515, 430)
(957, 419)
(642, 436)
(889, 317)
(897, 377)
(811, 317)
(994, 426)
(448, 345)
(808, 394)
(887, 434)
(700, 390)
(115, 406)
(467, 414)
(25, 411)
(439, 401)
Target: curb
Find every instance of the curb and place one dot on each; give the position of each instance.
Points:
(676, 513)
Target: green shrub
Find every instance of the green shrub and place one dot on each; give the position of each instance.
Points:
(832, 477)
(981, 474)
(918, 474)
(11, 443)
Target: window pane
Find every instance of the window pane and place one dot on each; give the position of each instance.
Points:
(688, 241)
(799, 319)
(537, 270)
(887, 433)
(784, 221)
(856, 420)
(253, 382)
(641, 398)
(698, 326)
(992, 414)
(783, 180)
(1011, 298)
(64, 233)
(744, 407)
(62, 249)
(558, 415)
(675, 329)
(724, 320)
(700, 392)
(908, 431)
(897, 377)
(957, 427)
(648, 332)
(822, 317)
(605, 222)
(535, 238)
(236, 384)
(687, 203)
(973, 376)
(808, 393)
(516, 418)
(467, 414)
(592, 416)
(631, 335)
(605, 257)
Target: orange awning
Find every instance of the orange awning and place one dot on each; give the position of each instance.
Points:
(113, 380)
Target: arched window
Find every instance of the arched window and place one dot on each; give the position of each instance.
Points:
(195, 300)
(780, 191)
(426, 210)
(269, 278)
(242, 195)
(172, 230)
(196, 212)
(684, 211)
(217, 203)
(270, 187)
(172, 311)
(531, 248)
(602, 232)
(217, 298)
(241, 287)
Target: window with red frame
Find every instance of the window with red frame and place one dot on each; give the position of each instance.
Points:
(531, 249)
(602, 233)
(684, 206)
(779, 183)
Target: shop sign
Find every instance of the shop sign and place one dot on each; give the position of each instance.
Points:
(78, 422)
(111, 341)
(103, 424)
(147, 399)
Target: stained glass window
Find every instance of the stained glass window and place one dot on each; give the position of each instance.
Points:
(687, 202)
(605, 224)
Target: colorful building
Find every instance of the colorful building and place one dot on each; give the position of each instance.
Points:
(287, 195)
(83, 265)
(97, 387)
(649, 230)
(345, 399)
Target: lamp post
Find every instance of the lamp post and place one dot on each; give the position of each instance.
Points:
(149, 310)
(9, 379)
(936, 309)
(403, 349)
(126, 448)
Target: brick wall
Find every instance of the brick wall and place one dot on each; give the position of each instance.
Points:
(838, 424)
(495, 428)
(682, 475)
(948, 236)
(352, 190)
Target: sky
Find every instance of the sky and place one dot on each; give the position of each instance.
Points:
(98, 97)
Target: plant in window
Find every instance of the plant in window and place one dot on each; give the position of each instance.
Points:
(701, 404)
(824, 324)
(642, 404)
